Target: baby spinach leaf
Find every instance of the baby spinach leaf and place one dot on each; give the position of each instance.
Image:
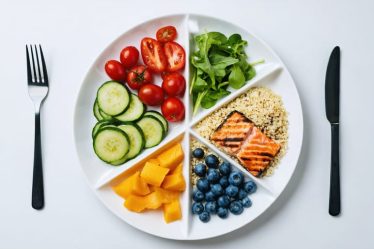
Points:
(200, 85)
(211, 97)
(250, 73)
(218, 62)
(236, 78)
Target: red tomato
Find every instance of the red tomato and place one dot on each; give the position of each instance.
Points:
(175, 56)
(151, 95)
(129, 56)
(166, 34)
(174, 84)
(115, 70)
(138, 76)
(164, 74)
(153, 55)
(173, 109)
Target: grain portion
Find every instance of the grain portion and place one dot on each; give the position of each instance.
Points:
(264, 108)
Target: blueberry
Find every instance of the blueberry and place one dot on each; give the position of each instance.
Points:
(236, 207)
(236, 178)
(211, 161)
(223, 201)
(246, 202)
(217, 189)
(213, 175)
(222, 212)
(225, 168)
(200, 169)
(250, 187)
(242, 194)
(211, 207)
(198, 196)
(203, 185)
(209, 196)
(197, 208)
(198, 153)
(204, 217)
(224, 181)
(232, 190)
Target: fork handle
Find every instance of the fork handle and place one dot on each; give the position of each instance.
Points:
(37, 181)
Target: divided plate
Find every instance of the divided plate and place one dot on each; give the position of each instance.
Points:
(272, 74)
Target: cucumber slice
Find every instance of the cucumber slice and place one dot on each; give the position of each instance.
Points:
(99, 125)
(104, 115)
(136, 137)
(160, 118)
(111, 144)
(134, 112)
(109, 124)
(120, 161)
(113, 98)
(153, 130)
(96, 111)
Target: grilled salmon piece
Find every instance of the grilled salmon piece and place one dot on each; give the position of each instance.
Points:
(231, 134)
(257, 151)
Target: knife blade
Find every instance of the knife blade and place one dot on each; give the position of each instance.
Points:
(332, 102)
(332, 87)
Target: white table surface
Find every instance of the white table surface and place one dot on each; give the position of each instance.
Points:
(73, 32)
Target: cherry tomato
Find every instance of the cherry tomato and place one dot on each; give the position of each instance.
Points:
(152, 95)
(173, 109)
(164, 74)
(174, 84)
(115, 70)
(175, 56)
(129, 56)
(166, 34)
(153, 55)
(138, 76)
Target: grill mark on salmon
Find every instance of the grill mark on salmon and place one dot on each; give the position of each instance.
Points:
(255, 158)
(232, 132)
(238, 136)
(256, 162)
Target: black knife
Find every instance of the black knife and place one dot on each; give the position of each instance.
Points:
(332, 91)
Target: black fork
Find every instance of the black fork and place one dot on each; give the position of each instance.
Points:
(37, 80)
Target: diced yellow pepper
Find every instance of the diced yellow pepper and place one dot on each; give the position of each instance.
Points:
(174, 182)
(172, 211)
(153, 174)
(171, 157)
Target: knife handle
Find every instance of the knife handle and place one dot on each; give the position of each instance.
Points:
(334, 204)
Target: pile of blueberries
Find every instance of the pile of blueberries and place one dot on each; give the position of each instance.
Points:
(219, 189)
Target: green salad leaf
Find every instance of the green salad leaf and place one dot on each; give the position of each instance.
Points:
(236, 77)
(218, 63)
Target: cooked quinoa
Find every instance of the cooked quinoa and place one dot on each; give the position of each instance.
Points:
(264, 108)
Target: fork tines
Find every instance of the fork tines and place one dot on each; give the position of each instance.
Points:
(36, 68)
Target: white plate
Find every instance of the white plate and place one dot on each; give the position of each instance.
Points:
(272, 74)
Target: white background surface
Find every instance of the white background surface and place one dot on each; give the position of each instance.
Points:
(73, 33)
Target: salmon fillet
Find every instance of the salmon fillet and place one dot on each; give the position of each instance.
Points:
(231, 134)
(257, 152)
(239, 137)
